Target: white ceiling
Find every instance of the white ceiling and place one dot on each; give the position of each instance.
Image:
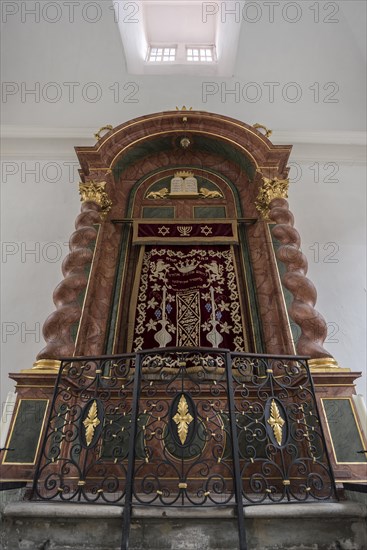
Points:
(307, 53)
(161, 20)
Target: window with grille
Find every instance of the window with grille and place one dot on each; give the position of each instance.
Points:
(162, 55)
(203, 55)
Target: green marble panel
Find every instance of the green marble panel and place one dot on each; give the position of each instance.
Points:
(26, 432)
(116, 437)
(209, 212)
(344, 430)
(159, 212)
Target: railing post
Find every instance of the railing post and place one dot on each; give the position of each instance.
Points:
(45, 434)
(131, 457)
(236, 456)
(325, 449)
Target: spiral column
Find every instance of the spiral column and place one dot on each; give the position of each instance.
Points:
(57, 329)
(273, 206)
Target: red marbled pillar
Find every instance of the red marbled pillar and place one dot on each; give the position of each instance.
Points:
(312, 324)
(57, 329)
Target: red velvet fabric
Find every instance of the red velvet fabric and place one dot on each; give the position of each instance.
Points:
(188, 296)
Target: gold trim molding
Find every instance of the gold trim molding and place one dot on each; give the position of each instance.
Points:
(271, 189)
(325, 364)
(95, 191)
(44, 366)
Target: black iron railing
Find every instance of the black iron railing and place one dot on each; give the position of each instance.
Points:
(184, 427)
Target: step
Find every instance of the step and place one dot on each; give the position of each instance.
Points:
(311, 526)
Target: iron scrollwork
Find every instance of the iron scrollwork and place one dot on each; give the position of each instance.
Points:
(208, 427)
(282, 448)
(91, 403)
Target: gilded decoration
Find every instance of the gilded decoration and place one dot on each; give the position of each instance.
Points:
(184, 184)
(183, 419)
(91, 422)
(271, 189)
(161, 194)
(107, 128)
(205, 193)
(95, 192)
(46, 366)
(258, 126)
(276, 422)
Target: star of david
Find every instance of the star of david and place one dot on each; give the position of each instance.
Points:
(206, 230)
(163, 230)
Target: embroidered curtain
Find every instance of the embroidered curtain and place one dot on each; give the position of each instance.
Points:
(188, 296)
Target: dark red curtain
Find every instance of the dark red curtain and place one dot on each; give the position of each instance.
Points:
(188, 296)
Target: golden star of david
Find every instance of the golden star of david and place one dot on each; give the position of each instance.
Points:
(183, 419)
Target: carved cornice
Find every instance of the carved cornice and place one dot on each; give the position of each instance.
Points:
(95, 192)
(271, 189)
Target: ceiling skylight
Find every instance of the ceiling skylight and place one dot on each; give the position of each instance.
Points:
(202, 55)
(179, 37)
(162, 54)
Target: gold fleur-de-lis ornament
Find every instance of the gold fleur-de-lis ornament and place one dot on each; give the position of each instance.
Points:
(91, 422)
(183, 419)
(276, 422)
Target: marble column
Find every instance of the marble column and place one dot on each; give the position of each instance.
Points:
(58, 327)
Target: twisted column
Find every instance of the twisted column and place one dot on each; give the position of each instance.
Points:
(312, 324)
(57, 329)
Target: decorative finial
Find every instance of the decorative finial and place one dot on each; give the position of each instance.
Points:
(262, 127)
(98, 136)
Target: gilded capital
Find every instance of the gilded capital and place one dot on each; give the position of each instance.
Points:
(95, 192)
(271, 189)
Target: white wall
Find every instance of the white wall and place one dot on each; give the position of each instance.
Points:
(331, 219)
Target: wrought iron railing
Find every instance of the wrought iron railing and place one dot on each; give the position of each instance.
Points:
(184, 427)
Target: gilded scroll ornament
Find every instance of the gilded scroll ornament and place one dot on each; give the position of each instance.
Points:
(271, 189)
(98, 136)
(183, 419)
(91, 422)
(262, 127)
(95, 192)
(276, 422)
